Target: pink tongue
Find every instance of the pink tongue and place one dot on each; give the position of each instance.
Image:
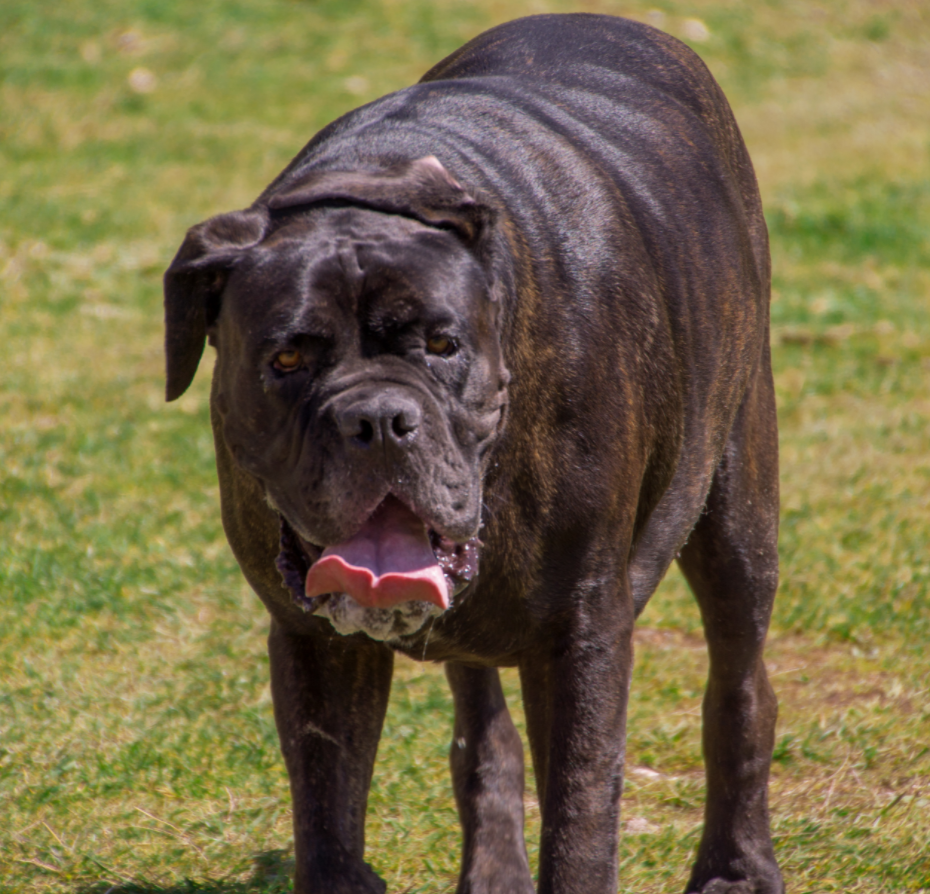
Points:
(387, 562)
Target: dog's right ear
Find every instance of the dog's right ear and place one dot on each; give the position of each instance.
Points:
(194, 283)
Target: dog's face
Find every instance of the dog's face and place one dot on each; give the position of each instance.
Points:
(359, 379)
(357, 358)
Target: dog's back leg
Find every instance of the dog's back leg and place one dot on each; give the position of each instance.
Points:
(487, 775)
(731, 563)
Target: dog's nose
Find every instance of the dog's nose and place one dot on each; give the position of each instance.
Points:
(380, 420)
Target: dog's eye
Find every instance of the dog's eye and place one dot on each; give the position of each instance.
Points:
(441, 345)
(287, 361)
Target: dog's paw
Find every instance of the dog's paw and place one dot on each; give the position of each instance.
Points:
(721, 886)
(364, 881)
(342, 876)
(743, 886)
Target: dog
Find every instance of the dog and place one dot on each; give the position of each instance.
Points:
(492, 352)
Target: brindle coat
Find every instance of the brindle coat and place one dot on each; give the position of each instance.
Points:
(591, 244)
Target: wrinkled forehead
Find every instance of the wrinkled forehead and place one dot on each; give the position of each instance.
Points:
(356, 262)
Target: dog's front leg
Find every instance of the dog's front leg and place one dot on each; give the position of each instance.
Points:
(330, 696)
(575, 698)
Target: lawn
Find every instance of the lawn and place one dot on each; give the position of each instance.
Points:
(137, 746)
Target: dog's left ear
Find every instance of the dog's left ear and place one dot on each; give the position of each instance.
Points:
(194, 283)
(422, 189)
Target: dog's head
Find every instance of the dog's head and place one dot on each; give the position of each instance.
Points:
(359, 379)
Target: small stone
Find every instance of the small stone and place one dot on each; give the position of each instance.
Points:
(141, 80)
(356, 85)
(696, 30)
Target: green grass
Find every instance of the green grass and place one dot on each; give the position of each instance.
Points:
(137, 747)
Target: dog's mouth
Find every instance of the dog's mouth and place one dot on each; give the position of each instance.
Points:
(393, 559)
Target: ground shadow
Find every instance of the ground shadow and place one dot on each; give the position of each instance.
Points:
(272, 872)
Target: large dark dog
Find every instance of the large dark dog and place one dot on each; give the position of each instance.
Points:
(491, 353)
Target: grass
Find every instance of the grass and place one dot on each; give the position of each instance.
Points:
(137, 747)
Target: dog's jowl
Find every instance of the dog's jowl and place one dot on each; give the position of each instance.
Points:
(492, 352)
